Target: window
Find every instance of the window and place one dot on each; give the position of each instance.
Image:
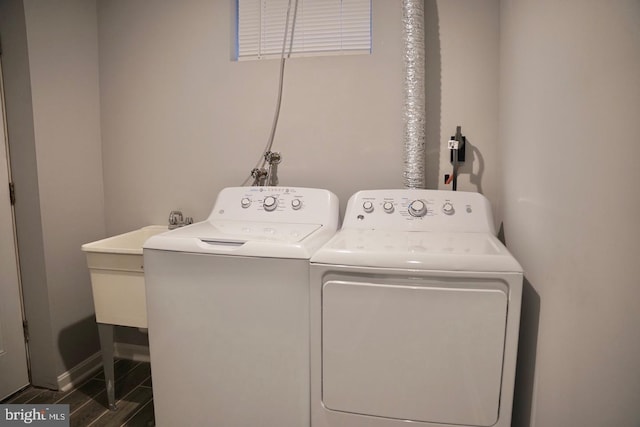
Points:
(322, 27)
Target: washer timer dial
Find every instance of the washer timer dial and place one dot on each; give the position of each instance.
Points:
(270, 203)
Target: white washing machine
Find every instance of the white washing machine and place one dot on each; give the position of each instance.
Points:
(228, 309)
(415, 310)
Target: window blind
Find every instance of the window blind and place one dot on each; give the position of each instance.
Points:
(322, 27)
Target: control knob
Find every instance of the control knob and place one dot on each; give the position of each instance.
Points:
(417, 208)
(270, 203)
(448, 209)
(367, 206)
(388, 207)
(296, 204)
(245, 202)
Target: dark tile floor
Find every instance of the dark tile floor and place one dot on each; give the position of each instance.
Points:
(88, 402)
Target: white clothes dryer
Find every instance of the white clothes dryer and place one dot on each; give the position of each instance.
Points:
(415, 311)
(228, 309)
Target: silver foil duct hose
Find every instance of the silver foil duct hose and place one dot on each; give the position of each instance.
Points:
(414, 93)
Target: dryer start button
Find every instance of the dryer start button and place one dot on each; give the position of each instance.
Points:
(448, 209)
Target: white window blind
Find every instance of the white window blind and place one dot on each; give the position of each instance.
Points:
(321, 27)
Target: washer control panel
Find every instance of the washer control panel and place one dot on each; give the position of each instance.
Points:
(276, 204)
(270, 203)
(270, 199)
(419, 210)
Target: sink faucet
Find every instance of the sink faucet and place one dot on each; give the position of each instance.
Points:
(262, 176)
(177, 220)
(274, 160)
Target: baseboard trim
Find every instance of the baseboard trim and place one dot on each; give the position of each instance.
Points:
(135, 352)
(80, 372)
(85, 369)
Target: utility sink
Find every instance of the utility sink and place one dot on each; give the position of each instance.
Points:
(117, 277)
(119, 296)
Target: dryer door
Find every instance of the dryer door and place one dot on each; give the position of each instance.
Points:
(429, 351)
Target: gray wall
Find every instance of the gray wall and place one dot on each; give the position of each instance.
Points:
(51, 61)
(469, 52)
(181, 120)
(570, 103)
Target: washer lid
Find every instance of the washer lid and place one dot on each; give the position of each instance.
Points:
(417, 251)
(230, 237)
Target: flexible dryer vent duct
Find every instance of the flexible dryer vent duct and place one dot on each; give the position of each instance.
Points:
(414, 93)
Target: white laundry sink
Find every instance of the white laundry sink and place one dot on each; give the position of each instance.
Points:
(117, 277)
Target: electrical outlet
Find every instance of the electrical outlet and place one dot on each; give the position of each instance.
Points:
(452, 144)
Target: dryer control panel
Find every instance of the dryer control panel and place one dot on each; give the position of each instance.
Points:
(419, 210)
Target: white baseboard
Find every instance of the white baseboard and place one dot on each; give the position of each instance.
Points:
(80, 372)
(136, 352)
(83, 370)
